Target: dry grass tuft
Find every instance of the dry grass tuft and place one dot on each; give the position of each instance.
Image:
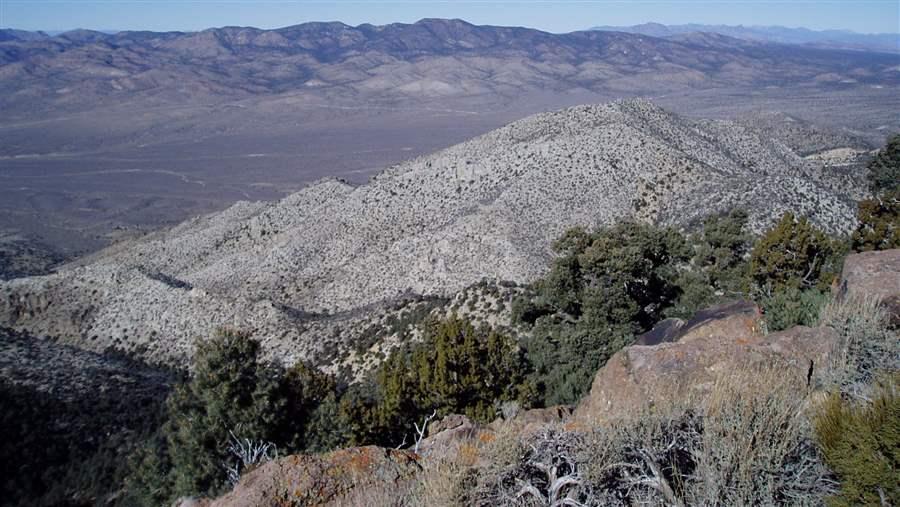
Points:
(868, 346)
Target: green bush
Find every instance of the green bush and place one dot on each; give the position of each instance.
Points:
(794, 254)
(228, 391)
(304, 394)
(232, 391)
(456, 369)
(861, 443)
(791, 307)
(603, 287)
(879, 223)
(721, 247)
(718, 268)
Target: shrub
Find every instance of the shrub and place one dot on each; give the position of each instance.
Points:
(879, 223)
(794, 254)
(790, 306)
(747, 442)
(457, 369)
(861, 443)
(305, 395)
(603, 287)
(758, 446)
(231, 396)
(721, 248)
(867, 345)
(718, 268)
(542, 470)
(228, 391)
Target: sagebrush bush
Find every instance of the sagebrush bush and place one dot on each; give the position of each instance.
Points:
(746, 442)
(867, 344)
(758, 446)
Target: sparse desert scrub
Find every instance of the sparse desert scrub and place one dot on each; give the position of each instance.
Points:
(757, 444)
(858, 425)
(867, 346)
(748, 441)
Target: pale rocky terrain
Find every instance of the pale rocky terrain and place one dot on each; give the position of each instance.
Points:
(485, 209)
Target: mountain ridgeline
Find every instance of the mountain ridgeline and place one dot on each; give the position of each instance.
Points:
(432, 58)
(835, 39)
(488, 208)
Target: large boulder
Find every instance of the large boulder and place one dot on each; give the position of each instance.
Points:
(447, 433)
(641, 376)
(739, 318)
(362, 476)
(874, 274)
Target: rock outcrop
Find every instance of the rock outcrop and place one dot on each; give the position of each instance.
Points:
(737, 318)
(684, 357)
(358, 476)
(639, 376)
(876, 275)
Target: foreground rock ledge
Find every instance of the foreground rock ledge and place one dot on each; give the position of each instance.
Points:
(641, 376)
(876, 275)
(354, 476)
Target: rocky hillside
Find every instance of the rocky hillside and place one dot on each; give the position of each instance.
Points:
(488, 208)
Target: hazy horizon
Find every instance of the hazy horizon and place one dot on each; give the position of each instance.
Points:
(863, 17)
(54, 32)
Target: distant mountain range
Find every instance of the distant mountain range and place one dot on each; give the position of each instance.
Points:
(834, 39)
(107, 134)
(427, 60)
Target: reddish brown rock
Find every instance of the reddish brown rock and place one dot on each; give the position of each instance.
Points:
(447, 433)
(354, 476)
(638, 377)
(874, 274)
(728, 320)
(738, 320)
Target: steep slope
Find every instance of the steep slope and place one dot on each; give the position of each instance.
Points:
(489, 208)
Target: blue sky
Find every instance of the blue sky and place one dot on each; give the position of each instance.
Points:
(556, 16)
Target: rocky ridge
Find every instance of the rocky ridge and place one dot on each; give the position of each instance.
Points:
(488, 208)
